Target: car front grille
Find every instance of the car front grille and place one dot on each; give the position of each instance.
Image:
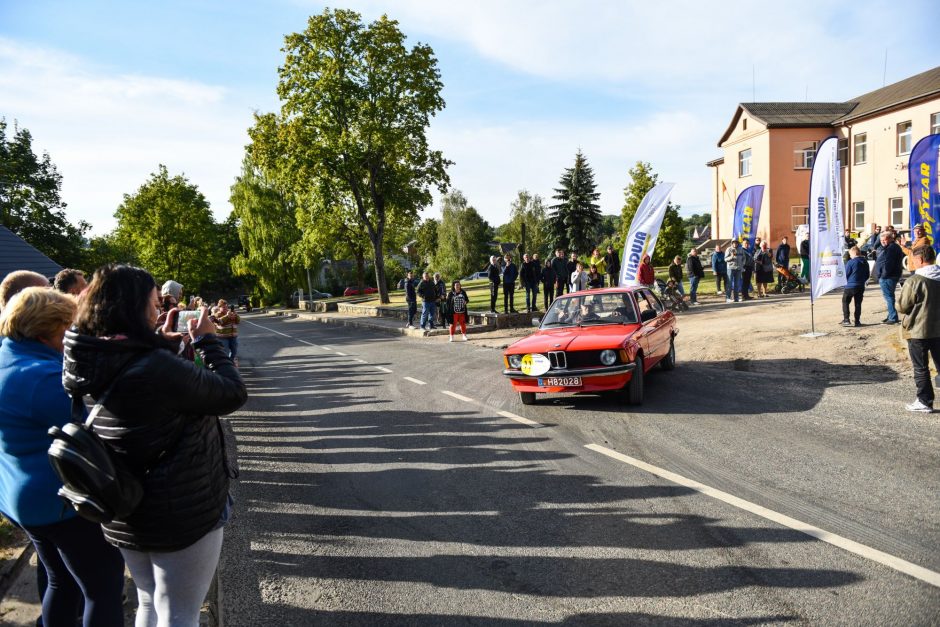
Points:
(558, 360)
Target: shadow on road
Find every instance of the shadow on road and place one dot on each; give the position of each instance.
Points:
(462, 501)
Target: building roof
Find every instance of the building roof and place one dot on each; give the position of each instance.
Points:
(828, 114)
(16, 254)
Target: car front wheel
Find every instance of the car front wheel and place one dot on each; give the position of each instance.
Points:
(527, 398)
(635, 385)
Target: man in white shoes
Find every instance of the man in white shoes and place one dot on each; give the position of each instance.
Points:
(920, 304)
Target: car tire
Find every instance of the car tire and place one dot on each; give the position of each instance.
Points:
(669, 361)
(527, 398)
(634, 389)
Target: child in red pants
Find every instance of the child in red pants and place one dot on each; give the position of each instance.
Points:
(457, 304)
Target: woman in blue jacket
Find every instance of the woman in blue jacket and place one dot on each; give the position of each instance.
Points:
(77, 559)
(857, 274)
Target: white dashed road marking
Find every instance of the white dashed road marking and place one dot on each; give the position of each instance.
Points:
(341, 354)
(267, 329)
(898, 564)
(418, 381)
(457, 396)
(525, 421)
(383, 369)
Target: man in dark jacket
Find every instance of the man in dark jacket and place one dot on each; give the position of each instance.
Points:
(782, 258)
(888, 271)
(560, 268)
(856, 275)
(548, 284)
(612, 261)
(720, 268)
(530, 277)
(804, 259)
(411, 298)
(427, 290)
(675, 273)
(493, 275)
(570, 267)
(696, 273)
(510, 274)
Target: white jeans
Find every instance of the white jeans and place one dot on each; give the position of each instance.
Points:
(171, 587)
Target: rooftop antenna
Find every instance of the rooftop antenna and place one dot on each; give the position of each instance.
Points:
(884, 74)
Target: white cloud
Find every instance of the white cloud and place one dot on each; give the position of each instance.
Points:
(107, 133)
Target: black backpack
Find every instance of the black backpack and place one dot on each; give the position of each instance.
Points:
(95, 482)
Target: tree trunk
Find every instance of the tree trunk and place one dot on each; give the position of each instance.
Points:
(380, 269)
(360, 269)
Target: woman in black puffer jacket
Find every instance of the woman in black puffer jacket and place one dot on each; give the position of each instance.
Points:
(162, 420)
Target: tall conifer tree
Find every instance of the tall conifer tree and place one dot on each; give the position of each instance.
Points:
(574, 222)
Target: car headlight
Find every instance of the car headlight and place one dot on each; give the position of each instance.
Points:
(515, 361)
(608, 357)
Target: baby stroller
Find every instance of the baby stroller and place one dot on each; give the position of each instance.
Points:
(670, 295)
(791, 280)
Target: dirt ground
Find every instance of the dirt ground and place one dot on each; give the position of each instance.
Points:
(771, 328)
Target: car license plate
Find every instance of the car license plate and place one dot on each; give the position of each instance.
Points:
(558, 382)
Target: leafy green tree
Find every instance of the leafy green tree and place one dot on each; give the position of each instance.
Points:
(356, 105)
(169, 225)
(575, 219)
(30, 200)
(105, 249)
(463, 237)
(267, 230)
(426, 241)
(671, 233)
(527, 209)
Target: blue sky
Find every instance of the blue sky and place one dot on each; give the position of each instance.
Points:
(112, 89)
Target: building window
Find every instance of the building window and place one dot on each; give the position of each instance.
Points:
(861, 148)
(798, 215)
(744, 162)
(744, 124)
(858, 215)
(843, 152)
(935, 123)
(803, 155)
(904, 138)
(897, 212)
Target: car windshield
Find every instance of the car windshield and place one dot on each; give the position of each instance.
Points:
(591, 309)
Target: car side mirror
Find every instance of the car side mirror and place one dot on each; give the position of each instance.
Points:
(536, 322)
(647, 314)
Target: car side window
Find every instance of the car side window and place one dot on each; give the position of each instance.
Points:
(657, 304)
(644, 303)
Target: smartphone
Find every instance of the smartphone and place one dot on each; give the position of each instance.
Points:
(182, 317)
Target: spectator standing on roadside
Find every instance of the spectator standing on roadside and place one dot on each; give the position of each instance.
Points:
(747, 272)
(560, 270)
(510, 274)
(720, 268)
(595, 278)
(70, 281)
(735, 259)
(529, 274)
(920, 239)
(494, 276)
(856, 275)
(696, 273)
(428, 293)
(782, 257)
(572, 266)
(457, 304)
(848, 240)
(645, 273)
(226, 329)
(888, 271)
(804, 259)
(612, 263)
(547, 276)
(874, 242)
(675, 273)
(411, 298)
(920, 304)
(598, 260)
(579, 278)
(17, 281)
(763, 269)
(443, 312)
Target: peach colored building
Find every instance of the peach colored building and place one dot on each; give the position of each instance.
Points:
(774, 144)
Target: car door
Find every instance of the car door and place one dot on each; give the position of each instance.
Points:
(656, 331)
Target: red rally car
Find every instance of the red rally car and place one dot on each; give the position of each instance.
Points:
(595, 341)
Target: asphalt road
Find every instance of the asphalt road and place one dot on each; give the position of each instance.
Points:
(396, 481)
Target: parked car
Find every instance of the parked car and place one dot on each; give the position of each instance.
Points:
(244, 302)
(401, 283)
(594, 341)
(354, 291)
(475, 276)
(318, 295)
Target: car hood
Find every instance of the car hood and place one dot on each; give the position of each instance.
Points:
(574, 338)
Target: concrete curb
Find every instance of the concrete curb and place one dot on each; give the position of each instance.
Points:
(13, 571)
